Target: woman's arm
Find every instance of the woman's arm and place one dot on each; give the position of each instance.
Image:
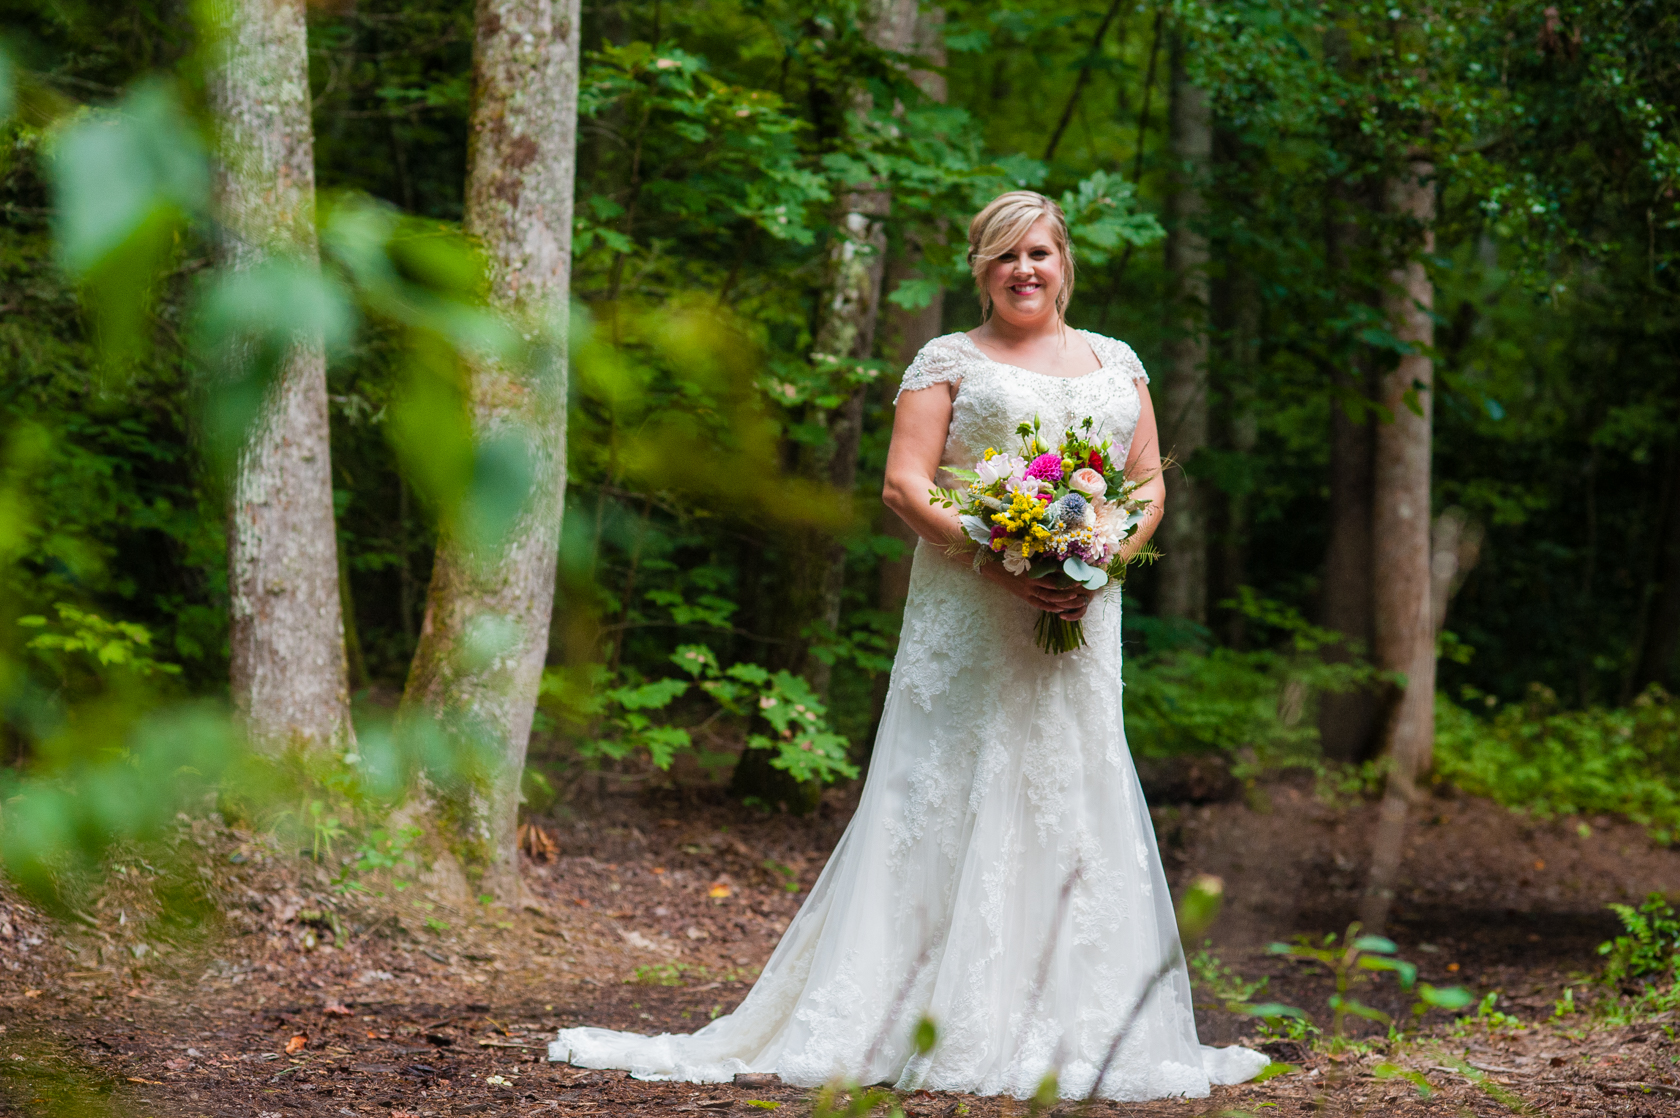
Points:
(918, 442)
(920, 426)
(1144, 461)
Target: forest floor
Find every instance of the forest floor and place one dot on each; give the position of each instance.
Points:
(657, 910)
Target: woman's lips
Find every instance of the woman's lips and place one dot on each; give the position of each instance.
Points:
(1026, 288)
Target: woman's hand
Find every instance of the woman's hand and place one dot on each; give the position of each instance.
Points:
(1067, 602)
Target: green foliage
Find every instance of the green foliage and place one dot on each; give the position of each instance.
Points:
(615, 722)
(1539, 758)
(1487, 1017)
(81, 643)
(1354, 962)
(715, 141)
(1650, 950)
(1217, 980)
(1185, 696)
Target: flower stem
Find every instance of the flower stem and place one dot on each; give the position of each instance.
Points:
(1055, 635)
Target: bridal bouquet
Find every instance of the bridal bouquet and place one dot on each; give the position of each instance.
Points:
(1064, 510)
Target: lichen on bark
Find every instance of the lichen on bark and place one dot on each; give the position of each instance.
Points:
(286, 632)
(484, 637)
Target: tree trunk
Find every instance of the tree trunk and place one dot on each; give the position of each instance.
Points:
(484, 636)
(1662, 629)
(1349, 722)
(813, 581)
(851, 304)
(906, 333)
(286, 625)
(1181, 583)
(1403, 630)
(1237, 310)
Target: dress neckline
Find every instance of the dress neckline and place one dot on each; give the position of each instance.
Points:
(1101, 364)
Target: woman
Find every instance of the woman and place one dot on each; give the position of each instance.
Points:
(1000, 876)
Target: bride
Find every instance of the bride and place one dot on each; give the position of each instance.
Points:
(1000, 877)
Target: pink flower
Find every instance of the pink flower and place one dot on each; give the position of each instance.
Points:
(1088, 482)
(1046, 467)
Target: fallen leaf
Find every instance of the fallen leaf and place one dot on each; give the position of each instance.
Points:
(32, 993)
(336, 1009)
(297, 1044)
(719, 889)
(1539, 864)
(537, 843)
(148, 1082)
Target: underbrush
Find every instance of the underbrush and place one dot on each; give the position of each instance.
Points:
(1535, 757)
(1185, 694)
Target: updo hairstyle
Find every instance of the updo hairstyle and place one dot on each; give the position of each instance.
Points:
(1001, 225)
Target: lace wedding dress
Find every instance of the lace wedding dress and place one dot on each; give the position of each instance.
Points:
(999, 776)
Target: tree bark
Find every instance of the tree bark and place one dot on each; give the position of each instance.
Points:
(813, 581)
(1349, 722)
(1237, 319)
(1181, 583)
(286, 624)
(906, 333)
(484, 635)
(1662, 629)
(1403, 629)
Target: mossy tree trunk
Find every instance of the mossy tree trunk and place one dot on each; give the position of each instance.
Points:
(286, 624)
(1403, 621)
(813, 580)
(484, 636)
(1182, 578)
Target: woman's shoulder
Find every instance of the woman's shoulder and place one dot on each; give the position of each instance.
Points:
(941, 360)
(1116, 354)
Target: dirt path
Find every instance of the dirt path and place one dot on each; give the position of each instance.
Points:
(657, 913)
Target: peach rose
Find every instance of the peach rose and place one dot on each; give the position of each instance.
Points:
(1088, 482)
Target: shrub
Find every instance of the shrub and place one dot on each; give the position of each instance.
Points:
(1550, 762)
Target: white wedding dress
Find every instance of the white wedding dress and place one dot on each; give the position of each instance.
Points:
(999, 774)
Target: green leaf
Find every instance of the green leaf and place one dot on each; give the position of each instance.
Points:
(1449, 997)
(1273, 1010)
(116, 171)
(649, 696)
(925, 1036)
(914, 294)
(8, 87)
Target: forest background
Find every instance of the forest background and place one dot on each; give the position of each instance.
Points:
(1231, 174)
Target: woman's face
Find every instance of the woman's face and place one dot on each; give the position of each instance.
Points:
(1025, 281)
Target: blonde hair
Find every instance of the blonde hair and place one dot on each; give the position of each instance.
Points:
(1001, 225)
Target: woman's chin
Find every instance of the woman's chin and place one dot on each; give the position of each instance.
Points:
(1026, 312)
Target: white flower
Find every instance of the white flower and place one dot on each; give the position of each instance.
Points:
(1031, 486)
(998, 467)
(1013, 561)
(1109, 521)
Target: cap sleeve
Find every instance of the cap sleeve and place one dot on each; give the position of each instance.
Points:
(1116, 354)
(938, 362)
